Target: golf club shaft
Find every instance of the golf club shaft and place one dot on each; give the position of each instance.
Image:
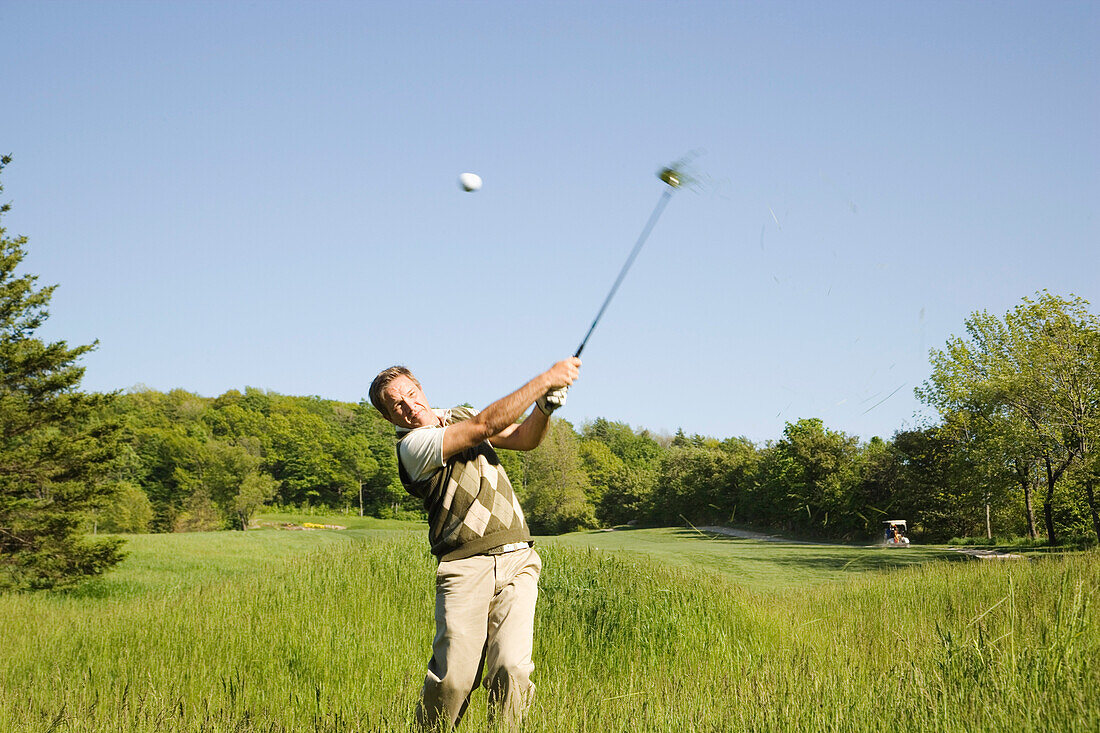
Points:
(629, 261)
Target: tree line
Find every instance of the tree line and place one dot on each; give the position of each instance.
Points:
(1018, 399)
(1014, 449)
(196, 463)
(1013, 454)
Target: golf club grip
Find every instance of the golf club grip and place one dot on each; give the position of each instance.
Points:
(629, 261)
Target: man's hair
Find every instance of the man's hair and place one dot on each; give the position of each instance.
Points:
(384, 378)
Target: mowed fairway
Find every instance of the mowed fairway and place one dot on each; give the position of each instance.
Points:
(757, 564)
(330, 631)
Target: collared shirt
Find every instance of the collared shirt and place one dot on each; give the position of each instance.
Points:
(421, 451)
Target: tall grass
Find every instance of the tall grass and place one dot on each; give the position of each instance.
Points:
(337, 640)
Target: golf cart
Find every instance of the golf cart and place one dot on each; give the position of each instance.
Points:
(895, 533)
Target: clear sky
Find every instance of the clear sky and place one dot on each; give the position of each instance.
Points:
(264, 194)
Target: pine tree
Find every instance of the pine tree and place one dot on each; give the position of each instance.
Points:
(55, 445)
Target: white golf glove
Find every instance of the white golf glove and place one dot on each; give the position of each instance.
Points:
(552, 400)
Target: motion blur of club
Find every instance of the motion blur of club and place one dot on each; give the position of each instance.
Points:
(675, 176)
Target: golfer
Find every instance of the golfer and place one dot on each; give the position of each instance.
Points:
(487, 580)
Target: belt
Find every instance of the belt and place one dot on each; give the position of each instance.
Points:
(512, 547)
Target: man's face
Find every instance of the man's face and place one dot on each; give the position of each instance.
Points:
(406, 404)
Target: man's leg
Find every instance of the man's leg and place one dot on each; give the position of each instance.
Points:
(463, 592)
(508, 664)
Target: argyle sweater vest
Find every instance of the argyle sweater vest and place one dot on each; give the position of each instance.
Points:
(470, 502)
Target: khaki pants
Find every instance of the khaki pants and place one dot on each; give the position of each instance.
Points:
(484, 622)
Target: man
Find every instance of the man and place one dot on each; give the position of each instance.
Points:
(487, 579)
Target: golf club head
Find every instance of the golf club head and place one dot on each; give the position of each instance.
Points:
(671, 176)
(675, 175)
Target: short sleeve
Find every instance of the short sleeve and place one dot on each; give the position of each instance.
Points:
(421, 452)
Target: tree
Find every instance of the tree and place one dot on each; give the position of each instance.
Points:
(129, 511)
(55, 442)
(930, 488)
(555, 494)
(624, 494)
(233, 479)
(602, 467)
(877, 483)
(809, 481)
(254, 491)
(199, 514)
(1037, 370)
(171, 457)
(692, 484)
(634, 448)
(354, 454)
(298, 452)
(700, 479)
(996, 454)
(628, 494)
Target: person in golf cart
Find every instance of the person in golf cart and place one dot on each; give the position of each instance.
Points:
(894, 532)
(487, 577)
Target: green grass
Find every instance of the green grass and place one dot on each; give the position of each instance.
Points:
(159, 563)
(1025, 545)
(350, 521)
(755, 564)
(331, 631)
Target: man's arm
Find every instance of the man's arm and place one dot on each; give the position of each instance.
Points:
(502, 414)
(523, 436)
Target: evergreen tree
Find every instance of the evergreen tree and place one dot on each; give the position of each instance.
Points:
(55, 444)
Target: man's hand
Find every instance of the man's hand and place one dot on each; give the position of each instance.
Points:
(561, 375)
(564, 373)
(497, 422)
(552, 400)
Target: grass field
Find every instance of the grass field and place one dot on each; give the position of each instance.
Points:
(755, 564)
(330, 631)
(165, 563)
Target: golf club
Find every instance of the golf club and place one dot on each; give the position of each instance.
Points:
(673, 179)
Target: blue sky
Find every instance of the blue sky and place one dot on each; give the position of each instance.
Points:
(264, 194)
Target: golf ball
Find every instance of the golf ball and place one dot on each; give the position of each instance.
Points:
(469, 182)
